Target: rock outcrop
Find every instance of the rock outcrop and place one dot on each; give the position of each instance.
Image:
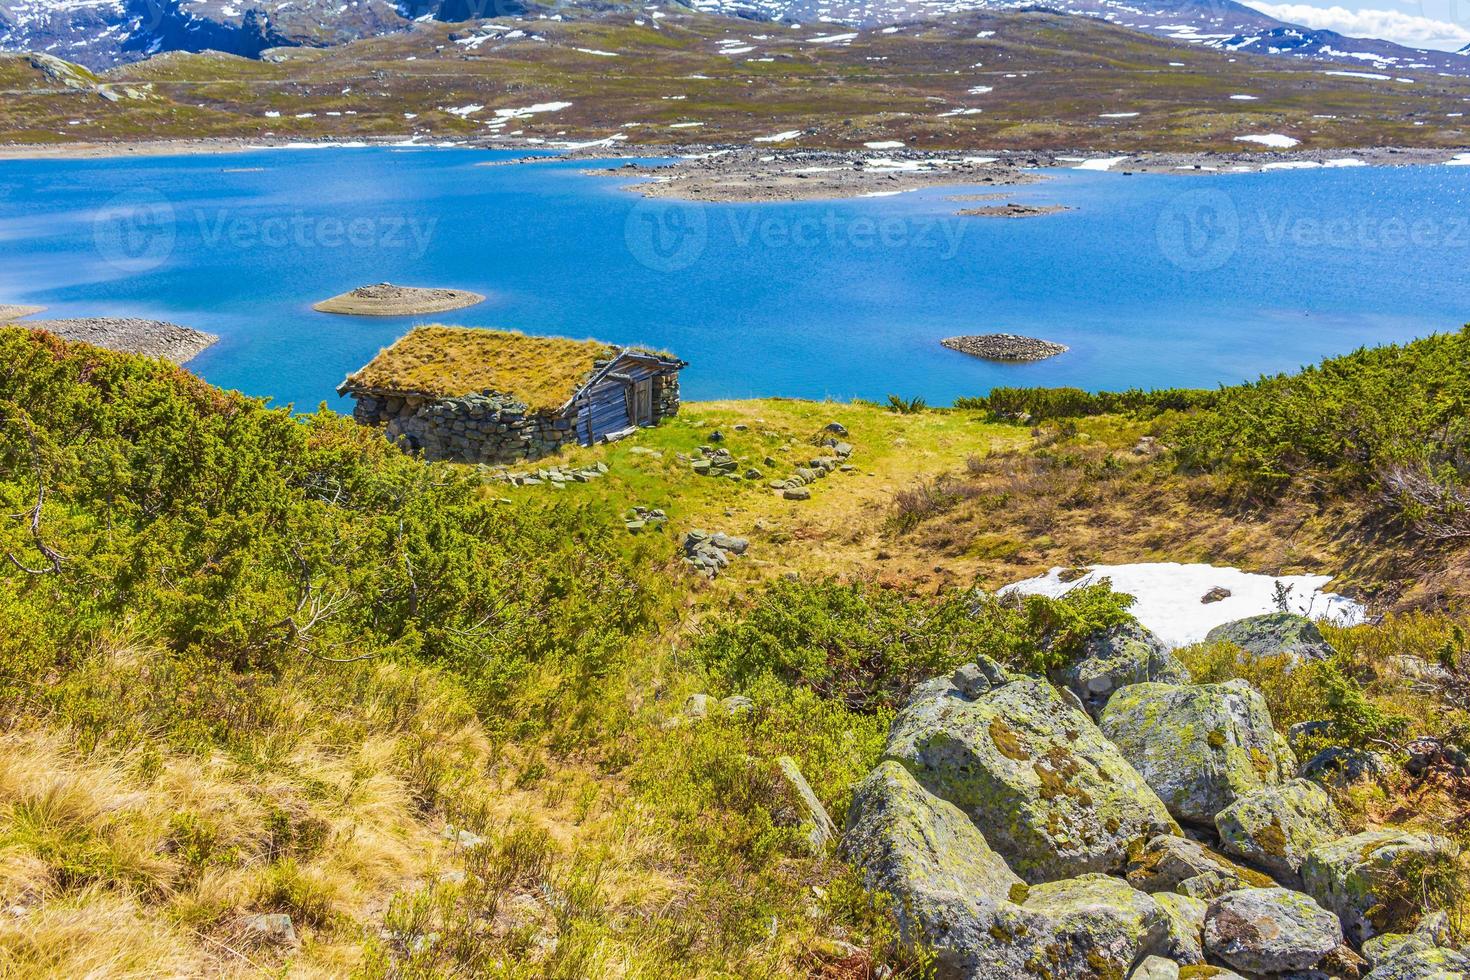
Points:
(1199, 747)
(1056, 799)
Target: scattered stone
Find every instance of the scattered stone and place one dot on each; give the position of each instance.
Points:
(1277, 826)
(644, 518)
(1274, 634)
(1218, 594)
(1200, 746)
(1013, 209)
(1055, 797)
(1004, 347)
(1270, 930)
(696, 706)
(737, 704)
(821, 831)
(709, 553)
(1428, 754)
(1418, 670)
(1116, 658)
(273, 928)
(463, 838)
(1419, 959)
(1361, 878)
(796, 493)
(836, 428)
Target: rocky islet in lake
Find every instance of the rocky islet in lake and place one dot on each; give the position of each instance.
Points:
(1004, 347)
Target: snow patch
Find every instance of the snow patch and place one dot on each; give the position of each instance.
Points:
(1275, 140)
(1169, 596)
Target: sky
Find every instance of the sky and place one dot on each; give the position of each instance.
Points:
(1443, 24)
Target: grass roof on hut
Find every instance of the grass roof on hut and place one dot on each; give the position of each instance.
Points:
(447, 362)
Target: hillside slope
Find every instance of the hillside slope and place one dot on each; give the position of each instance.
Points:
(1029, 81)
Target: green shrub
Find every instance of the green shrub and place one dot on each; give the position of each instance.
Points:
(866, 646)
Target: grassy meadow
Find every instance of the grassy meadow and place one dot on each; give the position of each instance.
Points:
(257, 664)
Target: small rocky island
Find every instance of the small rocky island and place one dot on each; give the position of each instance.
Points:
(130, 335)
(1011, 209)
(386, 299)
(1004, 347)
(10, 313)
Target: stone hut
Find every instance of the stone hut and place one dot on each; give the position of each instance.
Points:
(493, 396)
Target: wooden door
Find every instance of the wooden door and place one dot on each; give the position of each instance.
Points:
(643, 402)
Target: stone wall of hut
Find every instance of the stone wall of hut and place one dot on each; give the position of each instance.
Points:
(470, 429)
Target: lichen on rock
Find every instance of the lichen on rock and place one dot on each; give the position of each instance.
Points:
(1199, 747)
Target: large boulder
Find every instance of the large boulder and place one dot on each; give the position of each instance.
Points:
(954, 895)
(1199, 747)
(1364, 879)
(1056, 799)
(1092, 926)
(1275, 634)
(946, 882)
(1269, 930)
(1116, 658)
(1277, 826)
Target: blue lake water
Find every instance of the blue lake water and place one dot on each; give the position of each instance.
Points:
(1153, 281)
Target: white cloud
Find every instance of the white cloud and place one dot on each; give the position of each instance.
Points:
(1388, 25)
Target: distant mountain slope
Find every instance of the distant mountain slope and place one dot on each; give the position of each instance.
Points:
(1222, 24)
(1021, 81)
(104, 33)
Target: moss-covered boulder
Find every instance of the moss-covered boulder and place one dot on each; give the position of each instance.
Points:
(1116, 658)
(1277, 826)
(1200, 747)
(1368, 879)
(945, 880)
(1092, 926)
(1269, 930)
(954, 895)
(1055, 798)
(1274, 634)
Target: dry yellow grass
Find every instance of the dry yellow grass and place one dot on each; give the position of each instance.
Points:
(544, 372)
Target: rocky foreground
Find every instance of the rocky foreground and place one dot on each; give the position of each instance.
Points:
(1116, 821)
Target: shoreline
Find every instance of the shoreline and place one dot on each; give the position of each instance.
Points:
(742, 173)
